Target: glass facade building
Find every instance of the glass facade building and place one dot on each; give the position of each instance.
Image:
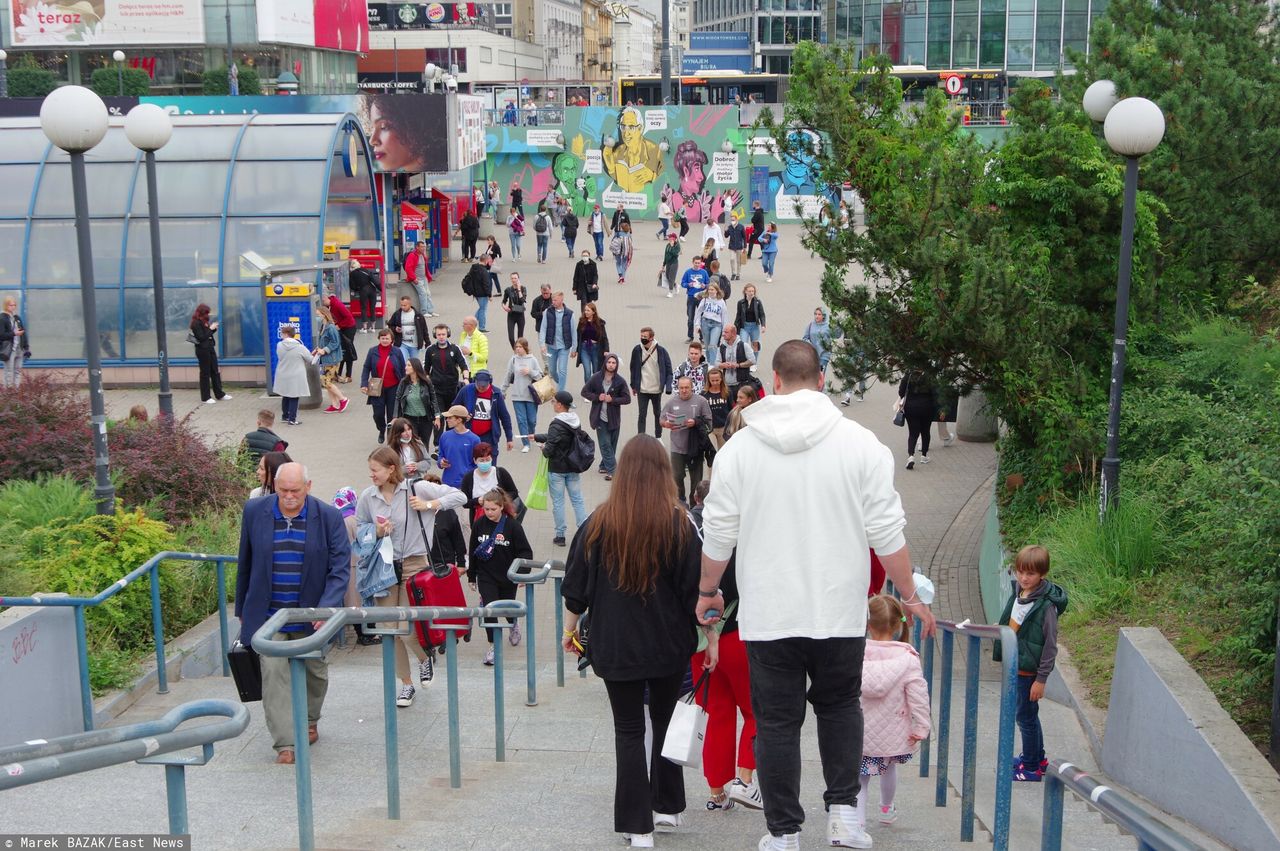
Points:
(1018, 36)
(279, 185)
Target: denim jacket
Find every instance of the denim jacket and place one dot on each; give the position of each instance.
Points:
(374, 576)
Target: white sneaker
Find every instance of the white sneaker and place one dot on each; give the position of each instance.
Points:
(639, 840)
(488, 657)
(844, 829)
(670, 294)
(226, 397)
(211, 401)
(889, 814)
(513, 635)
(667, 819)
(524, 450)
(790, 842)
(924, 459)
(747, 794)
(911, 462)
(948, 440)
(405, 697)
(768, 280)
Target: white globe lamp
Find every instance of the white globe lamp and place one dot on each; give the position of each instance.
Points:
(1134, 127)
(148, 127)
(74, 118)
(1099, 98)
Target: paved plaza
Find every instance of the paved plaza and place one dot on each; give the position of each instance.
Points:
(555, 790)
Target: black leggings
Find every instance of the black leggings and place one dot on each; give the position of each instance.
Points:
(492, 589)
(918, 423)
(515, 327)
(348, 350)
(645, 782)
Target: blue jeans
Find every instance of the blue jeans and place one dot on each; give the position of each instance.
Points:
(589, 359)
(621, 264)
(768, 261)
(556, 484)
(482, 308)
(608, 440)
(666, 225)
(425, 305)
(1028, 718)
(289, 409)
(13, 368)
(409, 352)
(750, 332)
(515, 245)
(599, 238)
(711, 340)
(526, 418)
(543, 241)
(558, 365)
(569, 242)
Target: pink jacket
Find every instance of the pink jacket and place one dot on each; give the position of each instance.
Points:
(895, 700)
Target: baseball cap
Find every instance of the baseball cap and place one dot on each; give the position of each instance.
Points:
(673, 236)
(483, 375)
(564, 397)
(458, 411)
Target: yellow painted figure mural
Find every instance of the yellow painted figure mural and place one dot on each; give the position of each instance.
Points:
(633, 161)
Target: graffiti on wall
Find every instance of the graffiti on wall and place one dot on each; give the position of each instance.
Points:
(695, 159)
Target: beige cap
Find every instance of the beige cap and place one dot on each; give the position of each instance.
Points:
(458, 411)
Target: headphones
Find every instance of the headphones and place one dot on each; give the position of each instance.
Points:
(448, 332)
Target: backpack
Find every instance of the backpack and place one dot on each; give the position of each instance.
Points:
(540, 224)
(582, 452)
(615, 246)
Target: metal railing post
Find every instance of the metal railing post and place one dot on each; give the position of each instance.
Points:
(175, 787)
(220, 569)
(302, 753)
(530, 648)
(926, 651)
(82, 648)
(157, 631)
(969, 778)
(390, 725)
(451, 679)
(1051, 819)
(944, 720)
(1004, 746)
(499, 713)
(559, 603)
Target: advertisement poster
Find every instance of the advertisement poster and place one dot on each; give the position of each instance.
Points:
(472, 148)
(333, 24)
(107, 22)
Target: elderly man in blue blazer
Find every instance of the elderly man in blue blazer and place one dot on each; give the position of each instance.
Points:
(294, 553)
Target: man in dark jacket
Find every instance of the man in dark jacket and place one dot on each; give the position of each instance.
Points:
(569, 226)
(365, 290)
(264, 440)
(488, 410)
(470, 229)
(650, 363)
(539, 306)
(619, 216)
(556, 444)
(757, 227)
(294, 553)
(446, 368)
(607, 393)
(586, 280)
(409, 327)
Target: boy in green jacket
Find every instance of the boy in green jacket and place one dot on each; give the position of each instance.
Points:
(1032, 612)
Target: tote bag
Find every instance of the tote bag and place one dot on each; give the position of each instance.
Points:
(688, 728)
(536, 498)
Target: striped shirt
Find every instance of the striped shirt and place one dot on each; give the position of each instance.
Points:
(288, 543)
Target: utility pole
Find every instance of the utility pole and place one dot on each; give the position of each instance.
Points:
(666, 51)
(232, 78)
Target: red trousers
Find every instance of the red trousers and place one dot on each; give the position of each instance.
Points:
(729, 694)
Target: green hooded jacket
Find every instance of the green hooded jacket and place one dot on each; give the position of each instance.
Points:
(1033, 636)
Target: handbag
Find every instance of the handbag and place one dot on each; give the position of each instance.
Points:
(543, 389)
(375, 383)
(6, 351)
(536, 498)
(246, 670)
(688, 728)
(191, 338)
(900, 418)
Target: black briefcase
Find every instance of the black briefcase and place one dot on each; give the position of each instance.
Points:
(246, 670)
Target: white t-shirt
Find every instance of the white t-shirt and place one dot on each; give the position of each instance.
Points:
(408, 330)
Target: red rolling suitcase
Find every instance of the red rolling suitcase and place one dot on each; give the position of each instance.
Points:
(428, 589)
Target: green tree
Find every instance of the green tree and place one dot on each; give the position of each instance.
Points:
(991, 267)
(104, 81)
(28, 81)
(1211, 66)
(216, 83)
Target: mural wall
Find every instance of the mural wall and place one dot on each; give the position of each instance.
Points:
(640, 156)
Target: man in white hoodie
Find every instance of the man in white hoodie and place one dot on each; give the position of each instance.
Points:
(803, 568)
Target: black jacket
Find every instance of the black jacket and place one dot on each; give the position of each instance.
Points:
(756, 313)
(419, 323)
(586, 281)
(619, 216)
(918, 394)
(556, 444)
(515, 300)
(476, 282)
(205, 339)
(570, 225)
(469, 226)
(736, 234)
(664, 368)
(539, 307)
(445, 365)
(362, 280)
(9, 324)
(617, 389)
(426, 392)
(512, 545)
(264, 440)
(757, 223)
(448, 546)
(505, 482)
(635, 637)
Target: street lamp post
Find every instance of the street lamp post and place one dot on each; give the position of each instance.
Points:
(4, 74)
(149, 128)
(75, 119)
(118, 56)
(1132, 127)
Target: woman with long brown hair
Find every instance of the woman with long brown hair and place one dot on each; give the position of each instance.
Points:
(634, 568)
(202, 331)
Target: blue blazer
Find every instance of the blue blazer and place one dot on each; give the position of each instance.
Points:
(370, 369)
(501, 414)
(326, 561)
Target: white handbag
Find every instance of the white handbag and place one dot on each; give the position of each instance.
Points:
(688, 728)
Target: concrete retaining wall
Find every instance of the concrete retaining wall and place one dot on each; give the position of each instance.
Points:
(39, 675)
(1168, 739)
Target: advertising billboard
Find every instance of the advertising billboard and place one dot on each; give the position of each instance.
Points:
(332, 24)
(105, 23)
(739, 41)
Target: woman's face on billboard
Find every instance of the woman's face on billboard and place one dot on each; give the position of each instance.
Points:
(389, 151)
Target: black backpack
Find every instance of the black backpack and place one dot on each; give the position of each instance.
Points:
(540, 224)
(582, 452)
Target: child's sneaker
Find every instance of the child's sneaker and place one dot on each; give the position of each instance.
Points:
(845, 829)
(889, 814)
(1020, 762)
(1026, 774)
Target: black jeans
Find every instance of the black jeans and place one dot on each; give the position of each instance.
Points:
(647, 399)
(444, 401)
(918, 423)
(646, 783)
(691, 462)
(348, 349)
(469, 248)
(384, 411)
(492, 589)
(832, 668)
(515, 327)
(209, 374)
(368, 300)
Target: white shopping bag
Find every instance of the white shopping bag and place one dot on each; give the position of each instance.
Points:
(688, 727)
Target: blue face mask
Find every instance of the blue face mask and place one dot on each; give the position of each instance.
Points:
(484, 466)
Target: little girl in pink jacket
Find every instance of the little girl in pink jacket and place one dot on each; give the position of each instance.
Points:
(895, 703)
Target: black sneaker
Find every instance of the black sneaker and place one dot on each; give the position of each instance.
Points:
(426, 670)
(559, 541)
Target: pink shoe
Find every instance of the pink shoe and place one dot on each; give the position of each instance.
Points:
(331, 410)
(342, 406)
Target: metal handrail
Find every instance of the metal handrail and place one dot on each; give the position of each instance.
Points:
(144, 743)
(1150, 833)
(333, 620)
(531, 572)
(152, 569)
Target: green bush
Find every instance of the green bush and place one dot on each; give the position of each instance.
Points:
(31, 82)
(49, 500)
(216, 82)
(104, 81)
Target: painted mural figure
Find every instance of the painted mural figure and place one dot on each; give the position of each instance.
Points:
(633, 161)
(570, 182)
(698, 203)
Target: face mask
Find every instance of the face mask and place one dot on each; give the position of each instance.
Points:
(484, 466)
(645, 342)
(406, 438)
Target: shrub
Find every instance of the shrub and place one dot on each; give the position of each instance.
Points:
(216, 83)
(44, 430)
(46, 501)
(137, 83)
(31, 82)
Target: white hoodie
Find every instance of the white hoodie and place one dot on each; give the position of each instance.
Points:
(804, 494)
